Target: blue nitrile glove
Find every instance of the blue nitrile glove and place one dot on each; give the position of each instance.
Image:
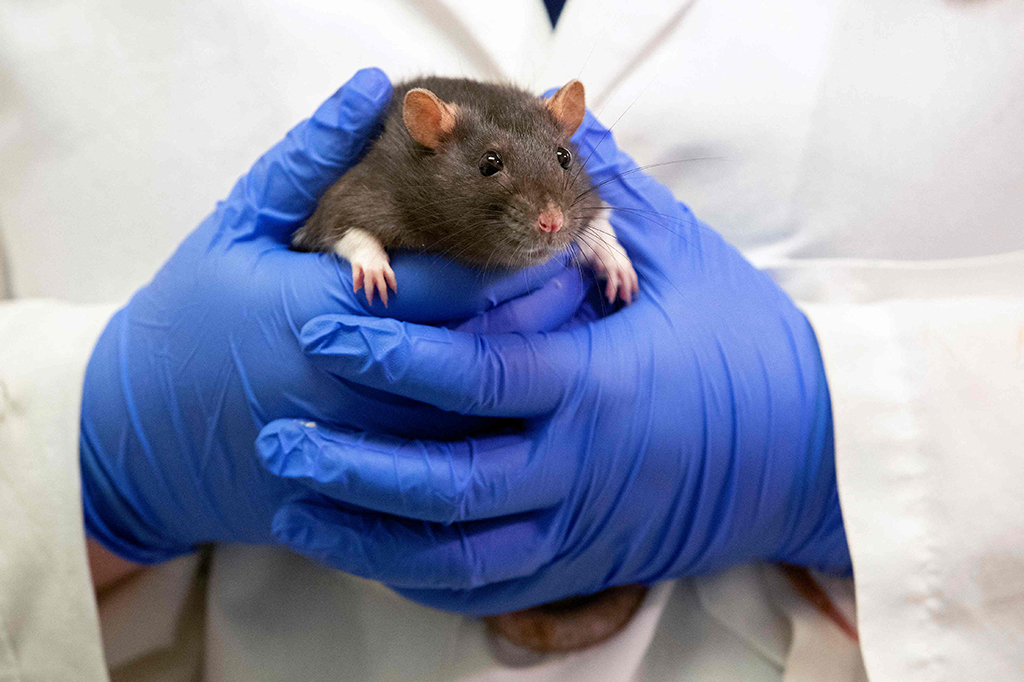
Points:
(685, 433)
(184, 377)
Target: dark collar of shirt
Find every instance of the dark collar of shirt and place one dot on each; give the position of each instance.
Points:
(554, 8)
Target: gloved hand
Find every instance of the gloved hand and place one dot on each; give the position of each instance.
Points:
(687, 432)
(184, 377)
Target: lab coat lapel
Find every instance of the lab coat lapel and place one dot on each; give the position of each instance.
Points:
(603, 42)
(509, 40)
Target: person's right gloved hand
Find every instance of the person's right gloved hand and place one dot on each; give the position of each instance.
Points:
(185, 375)
(683, 434)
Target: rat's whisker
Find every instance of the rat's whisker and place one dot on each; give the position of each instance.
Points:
(596, 242)
(509, 189)
(467, 247)
(576, 259)
(462, 245)
(641, 211)
(609, 131)
(452, 236)
(650, 213)
(653, 217)
(615, 122)
(638, 169)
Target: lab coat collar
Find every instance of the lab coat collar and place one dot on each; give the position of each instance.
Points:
(507, 39)
(601, 41)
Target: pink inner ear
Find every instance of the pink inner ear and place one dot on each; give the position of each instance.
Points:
(426, 117)
(568, 105)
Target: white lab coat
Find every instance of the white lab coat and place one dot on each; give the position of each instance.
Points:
(868, 153)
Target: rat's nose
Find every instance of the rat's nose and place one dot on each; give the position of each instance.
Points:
(550, 220)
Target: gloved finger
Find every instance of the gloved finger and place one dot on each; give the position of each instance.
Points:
(307, 285)
(506, 375)
(444, 482)
(282, 188)
(415, 554)
(432, 290)
(546, 309)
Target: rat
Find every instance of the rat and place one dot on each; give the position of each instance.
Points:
(483, 173)
(486, 174)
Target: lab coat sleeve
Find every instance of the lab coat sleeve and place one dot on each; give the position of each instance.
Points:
(48, 619)
(928, 405)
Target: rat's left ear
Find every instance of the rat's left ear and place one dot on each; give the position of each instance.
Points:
(568, 105)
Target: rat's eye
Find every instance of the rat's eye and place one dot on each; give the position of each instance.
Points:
(490, 164)
(564, 157)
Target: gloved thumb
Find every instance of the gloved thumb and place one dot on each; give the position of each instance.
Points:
(282, 188)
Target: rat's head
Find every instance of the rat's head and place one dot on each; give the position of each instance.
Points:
(507, 186)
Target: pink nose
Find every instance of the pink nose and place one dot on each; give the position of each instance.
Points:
(550, 220)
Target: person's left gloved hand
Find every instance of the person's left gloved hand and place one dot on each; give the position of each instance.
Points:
(685, 433)
(185, 375)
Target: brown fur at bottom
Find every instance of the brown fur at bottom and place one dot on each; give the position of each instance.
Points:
(570, 624)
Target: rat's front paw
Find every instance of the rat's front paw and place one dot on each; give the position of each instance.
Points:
(603, 252)
(373, 273)
(371, 267)
(622, 282)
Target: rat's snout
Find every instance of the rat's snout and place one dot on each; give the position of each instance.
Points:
(550, 219)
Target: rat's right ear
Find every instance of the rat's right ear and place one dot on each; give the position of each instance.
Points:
(427, 118)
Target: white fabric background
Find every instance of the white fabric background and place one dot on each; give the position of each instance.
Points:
(847, 144)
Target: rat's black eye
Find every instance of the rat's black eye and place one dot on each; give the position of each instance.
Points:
(490, 164)
(564, 157)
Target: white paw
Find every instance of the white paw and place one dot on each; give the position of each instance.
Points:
(610, 262)
(372, 272)
(371, 267)
(622, 281)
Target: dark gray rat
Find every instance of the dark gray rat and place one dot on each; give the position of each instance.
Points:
(486, 174)
(482, 173)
